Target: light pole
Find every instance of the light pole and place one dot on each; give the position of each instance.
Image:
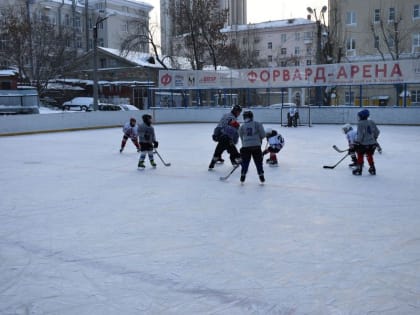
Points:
(99, 20)
(318, 56)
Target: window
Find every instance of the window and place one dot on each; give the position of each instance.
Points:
(308, 36)
(67, 20)
(270, 58)
(124, 27)
(283, 38)
(351, 47)
(377, 16)
(351, 44)
(283, 51)
(297, 36)
(244, 40)
(349, 98)
(309, 51)
(102, 63)
(416, 41)
(257, 53)
(376, 42)
(416, 11)
(270, 45)
(391, 15)
(415, 96)
(297, 63)
(308, 62)
(351, 18)
(297, 51)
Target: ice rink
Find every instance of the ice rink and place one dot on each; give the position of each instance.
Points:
(82, 231)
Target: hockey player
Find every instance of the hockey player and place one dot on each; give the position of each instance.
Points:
(147, 141)
(251, 133)
(130, 131)
(226, 136)
(275, 143)
(351, 138)
(365, 143)
(292, 116)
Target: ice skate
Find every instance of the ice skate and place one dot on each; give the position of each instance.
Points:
(262, 178)
(372, 170)
(242, 178)
(358, 170)
(141, 164)
(153, 164)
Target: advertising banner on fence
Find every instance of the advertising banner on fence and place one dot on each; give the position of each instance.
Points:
(391, 72)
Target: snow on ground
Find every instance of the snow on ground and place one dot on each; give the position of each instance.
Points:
(82, 231)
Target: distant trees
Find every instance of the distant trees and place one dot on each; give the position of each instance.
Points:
(139, 37)
(34, 46)
(198, 26)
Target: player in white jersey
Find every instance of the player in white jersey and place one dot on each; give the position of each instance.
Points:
(275, 143)
(351, 135)
(130, 131)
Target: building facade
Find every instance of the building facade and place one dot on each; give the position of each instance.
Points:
(376, 30)
(80, 17)
(237, 16)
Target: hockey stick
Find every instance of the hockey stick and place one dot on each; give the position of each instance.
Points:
(338, 150)
(230, 173)
(164, 163)
(333, 166)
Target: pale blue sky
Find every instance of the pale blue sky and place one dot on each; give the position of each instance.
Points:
(270, 10)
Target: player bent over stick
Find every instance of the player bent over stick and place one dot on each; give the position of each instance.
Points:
(275, 143)
(130, 131)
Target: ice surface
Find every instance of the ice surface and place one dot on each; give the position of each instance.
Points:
(82, 231)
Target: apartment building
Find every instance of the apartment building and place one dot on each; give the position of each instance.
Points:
(290, 42)
(377, 30)
(81, 16)
(237, 16)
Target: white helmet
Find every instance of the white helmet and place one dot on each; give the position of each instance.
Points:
(346, 128)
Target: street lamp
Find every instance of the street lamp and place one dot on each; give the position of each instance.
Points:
(318, 56)
(99, 20)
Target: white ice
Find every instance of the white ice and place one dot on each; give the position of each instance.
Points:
(82, 231)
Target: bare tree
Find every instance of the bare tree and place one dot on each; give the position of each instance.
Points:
(140, 37)
(37, 39)
(198, 26)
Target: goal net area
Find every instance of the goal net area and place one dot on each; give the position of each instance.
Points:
(294, 116)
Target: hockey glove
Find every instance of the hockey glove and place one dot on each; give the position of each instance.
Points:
(265, 152)
(155, 144)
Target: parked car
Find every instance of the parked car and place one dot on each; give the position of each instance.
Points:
(79, 103)
(109, 107)
(129, 107)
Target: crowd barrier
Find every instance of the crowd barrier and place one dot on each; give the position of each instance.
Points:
(67, 121)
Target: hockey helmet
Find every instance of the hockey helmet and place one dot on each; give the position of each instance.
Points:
(147, 119)
(363, 114)
(236, 110)
(346, 128)
(270, 132)
(248, 115)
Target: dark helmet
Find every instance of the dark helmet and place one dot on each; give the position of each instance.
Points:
(270, 133)
(147, 119)
(363, 114)
(236, 110)
(248, 115)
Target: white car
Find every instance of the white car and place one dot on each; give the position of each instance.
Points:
(79, 103)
